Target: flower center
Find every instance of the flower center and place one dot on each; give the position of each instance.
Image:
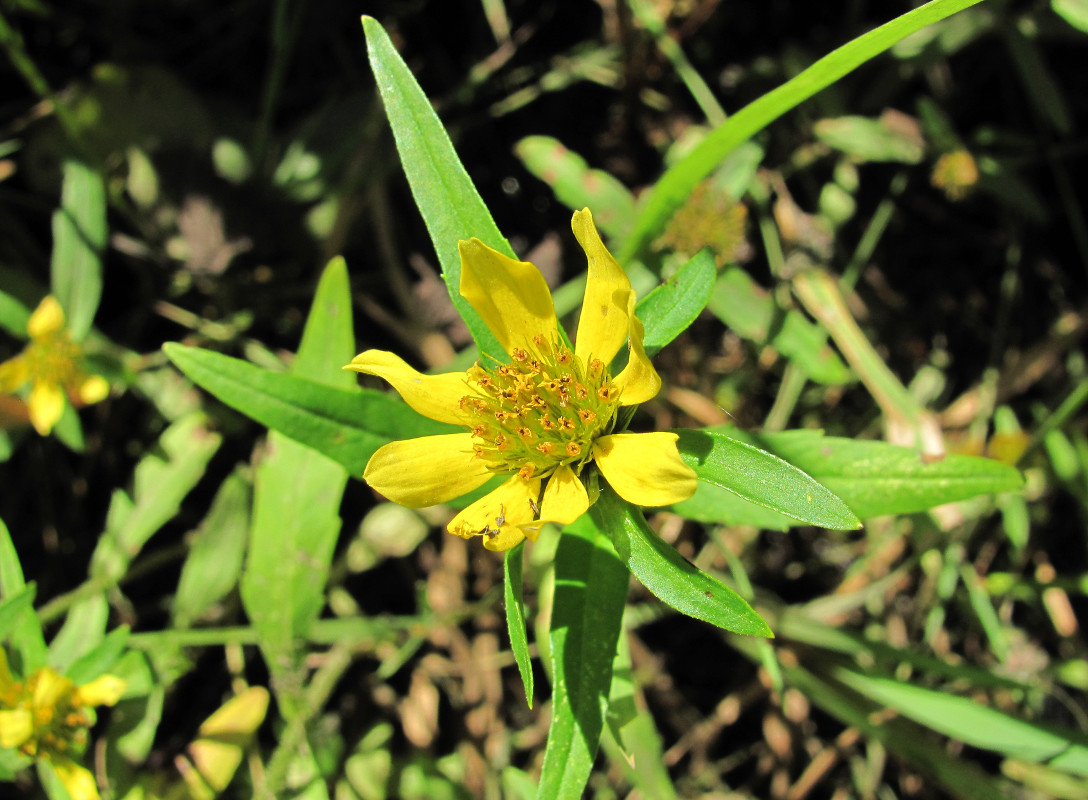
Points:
(53, 360)
(542, 410)
(58, 727)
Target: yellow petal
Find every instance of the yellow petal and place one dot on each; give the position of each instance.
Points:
(639, 381)
(47, 318)
(78, 781)
(224, 736)
(93, 389)
(426, 471)
(499, 516)
(434, 396)
(45, 404)
(565, 498)
(102, 691)
(511, 296)
(13, 374)
(50, 687)
(15, 727)
(645, 468)
(602, 325)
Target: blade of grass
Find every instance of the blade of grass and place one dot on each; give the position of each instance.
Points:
(679, 181)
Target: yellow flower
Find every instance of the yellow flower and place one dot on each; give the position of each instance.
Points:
(47, 717)
(50, 364)
(540, 419)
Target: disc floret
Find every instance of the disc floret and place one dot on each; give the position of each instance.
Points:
(541, 411)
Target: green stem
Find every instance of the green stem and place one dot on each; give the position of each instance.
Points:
(12, 42)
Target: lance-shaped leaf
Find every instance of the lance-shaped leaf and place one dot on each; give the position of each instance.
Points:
(451, 207)
(763, 479)
(590, 593)
(347, 426)
(669, 576)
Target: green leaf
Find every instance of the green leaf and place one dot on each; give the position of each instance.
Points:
(1075, 12)
(587, 610)
(681, 179)
(216, 550)
(577, 186)
(764, 479)
(83, 630)
(671, 307)
(876, 478)
(972, 723)
(12, 608)
(451, 207)
(100, 659)
(14, 315)
(751, 312)
(513, 592)
(79, 239)
(868, 139)
(160, 486)
(297, 492)
(26, 634)
(346, 426)
(670, 577)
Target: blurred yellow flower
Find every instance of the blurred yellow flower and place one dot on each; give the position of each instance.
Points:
(539, 419)
(50, 363)
(47, 717)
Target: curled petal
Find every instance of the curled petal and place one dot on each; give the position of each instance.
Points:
(45, 404)
(511, 296)
(102, 691)
(47, 318)
(499, 516)
(426, 471)
(76, 779)
(639, 381)
(603, 324)
(565, 498)
(434, 396)
(645, 468)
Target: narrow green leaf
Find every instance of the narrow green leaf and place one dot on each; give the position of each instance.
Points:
(681, 179)
(876, 478)
(577, 186)
(671, 307)
(962, 777)
(587, 610)
(346, 426)
(79, 239)
(451, 207)
(972, 723)
(1075, 12)
(160, 486)
(764, 479)
(751, 312)
(866, 139)
(329, 332)
(634, 744)
(513, 592)
(14, 315)
(26, 636)
(12, 608)
(83, 630)
(99, 660)
(671, 578)
(297, 492)
(216, 551)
